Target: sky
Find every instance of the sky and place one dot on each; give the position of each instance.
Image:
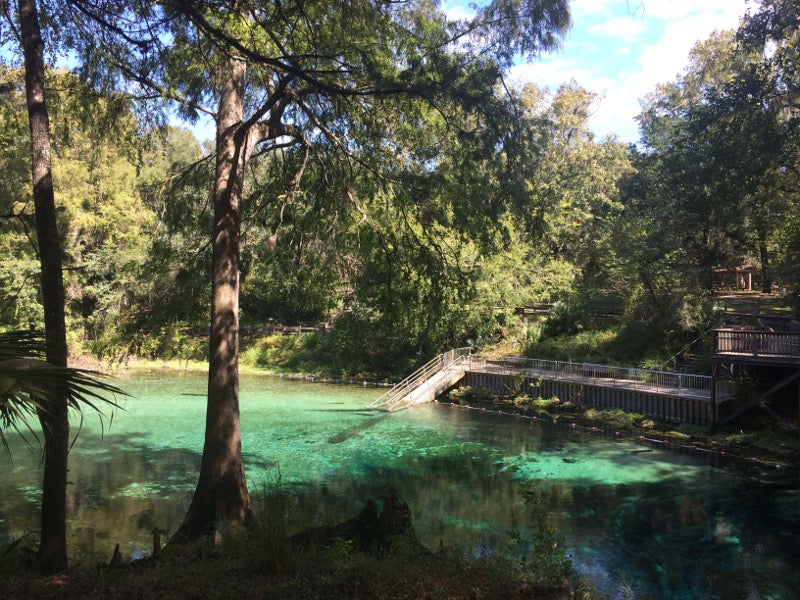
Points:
(618, 49)
(621, 49)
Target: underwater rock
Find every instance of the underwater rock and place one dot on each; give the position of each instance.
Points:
(388, 531)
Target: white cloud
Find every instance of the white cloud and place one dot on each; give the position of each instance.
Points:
(625, 27)
(582, 8)
(622, 49)
(724, 12)
(549, 73)
(456, 10)
(663, 60)
(614, 113)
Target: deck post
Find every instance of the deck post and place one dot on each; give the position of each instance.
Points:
(714, 413)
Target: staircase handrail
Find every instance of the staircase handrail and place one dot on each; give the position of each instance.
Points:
(422, 383)
(420, 376)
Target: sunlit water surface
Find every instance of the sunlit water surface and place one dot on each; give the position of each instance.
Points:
(635, 519)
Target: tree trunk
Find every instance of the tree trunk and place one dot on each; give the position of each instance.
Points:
(766, 279)
(55, 424)
(221, 498)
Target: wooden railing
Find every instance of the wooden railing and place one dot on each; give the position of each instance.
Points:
(757, 344)
(665, 382)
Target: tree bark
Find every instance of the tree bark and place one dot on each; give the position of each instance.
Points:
(221, 498)
(766, 279)
(52, 555)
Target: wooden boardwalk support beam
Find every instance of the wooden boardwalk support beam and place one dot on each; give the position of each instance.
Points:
(754, 350)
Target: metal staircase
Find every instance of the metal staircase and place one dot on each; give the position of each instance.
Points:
(427, 382)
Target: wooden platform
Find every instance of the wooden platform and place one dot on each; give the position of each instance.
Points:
(766, 348)
(772, 357)
(682, 397)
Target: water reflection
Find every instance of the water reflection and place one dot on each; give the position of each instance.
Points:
(634, 517)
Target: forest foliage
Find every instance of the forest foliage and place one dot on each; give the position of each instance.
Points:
(444, 242)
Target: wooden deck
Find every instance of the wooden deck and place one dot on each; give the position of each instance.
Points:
(643, 380)
(683, 397)
(768, 348)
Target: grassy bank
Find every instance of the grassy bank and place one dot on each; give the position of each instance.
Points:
(252, 571)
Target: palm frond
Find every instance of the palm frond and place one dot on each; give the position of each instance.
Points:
(29, 386)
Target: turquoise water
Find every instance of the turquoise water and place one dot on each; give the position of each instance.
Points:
(635, 518)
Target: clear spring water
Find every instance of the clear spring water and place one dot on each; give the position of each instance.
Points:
(634, 518)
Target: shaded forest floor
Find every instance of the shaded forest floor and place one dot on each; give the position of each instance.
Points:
(334, 573)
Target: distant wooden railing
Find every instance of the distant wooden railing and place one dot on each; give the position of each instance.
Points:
(255, 330)
(765, 344)
(667, 382)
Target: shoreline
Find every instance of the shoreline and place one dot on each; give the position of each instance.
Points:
(653, 436)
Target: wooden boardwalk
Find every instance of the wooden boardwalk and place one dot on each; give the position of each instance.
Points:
(682, 397)
(751, 346)
(644, 380)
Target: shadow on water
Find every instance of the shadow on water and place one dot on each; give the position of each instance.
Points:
(684, 538)
(681, 537)
(687, 524)
(133, 489)
(120, 488)
(354, 430)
